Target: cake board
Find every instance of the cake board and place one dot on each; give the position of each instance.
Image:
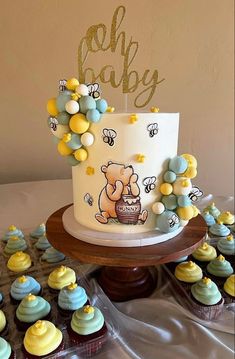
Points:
(125, 274)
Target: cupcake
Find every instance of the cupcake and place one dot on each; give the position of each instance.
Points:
(204, 254)
(5, 350)
(226, 246)
(229, 289)
(19, 262)
(219, 269)
(219, 230)
(42, 243)
(3, 323)
(207, 299)
(227, 218)
(1, 300)
(171, 265)
(87, 330)
(13, 231)
(15, 244)
(71, 298)
(39, 231)
(61, 277)
(22, 286)
(31, 309)
(209, 219)
(213, 210)
(51, 255)
(42, 339)
(188, 273)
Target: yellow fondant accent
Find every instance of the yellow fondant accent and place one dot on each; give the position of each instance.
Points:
(230, 237)
(133, 118)
(22, 279)
(51, 107)
(88, 309)
(75, 96)
(63, 149)
(140, 158)
(90, 171)
(191, 264)
(166, 189)
(229, 285)
(154, 109)
(81, 154)
(220, 258)
(205, 246)
(110, 109)
(72, 286)
(30, 297)
(72, 83)
(61, 269)
(206, 280)
(12, 228)
(67, 137)
(78, 123)
(219, 222)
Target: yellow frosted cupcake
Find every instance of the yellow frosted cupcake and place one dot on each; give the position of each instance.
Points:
(204, 254)
(229, 288)
(188, 273)
(61, 277)
(19, 262)
(227, 218)
(41, 339)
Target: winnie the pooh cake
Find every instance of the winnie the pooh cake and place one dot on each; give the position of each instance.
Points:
(127, 178)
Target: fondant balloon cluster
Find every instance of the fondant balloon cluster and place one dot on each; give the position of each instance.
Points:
(71, 113)
(175, 208)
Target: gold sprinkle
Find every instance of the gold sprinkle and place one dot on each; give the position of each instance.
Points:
(205, 245)
(22, 279)
(230, 237)
(30, 297)
(40, 324)
(88, 309)
(72, 286)
(133, 118)
(220, 258)
(110, 109)
(154, 109)
(90, 171)
(140, 158)
(206, 280)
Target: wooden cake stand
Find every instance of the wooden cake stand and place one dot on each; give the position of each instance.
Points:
(125, 274)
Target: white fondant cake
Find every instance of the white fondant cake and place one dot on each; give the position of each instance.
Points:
(104, 199)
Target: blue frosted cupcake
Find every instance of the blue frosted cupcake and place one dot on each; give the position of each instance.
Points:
(39, 231)
(71, 298)
(22, 286)
(219, 269)
(5, 350)
(213, 210)
(13, 231)
(15, 244)
(226, 247)
(219, 230)
(51, 255)
(42, 243)
(31, 309)
(209, 219)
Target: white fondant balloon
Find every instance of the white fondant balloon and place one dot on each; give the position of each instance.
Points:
(60, 130)
(72, 107)
(158, 208)
(182, 186)
(82, 90)
(87, 139)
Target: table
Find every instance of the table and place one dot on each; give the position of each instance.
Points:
(149, 328)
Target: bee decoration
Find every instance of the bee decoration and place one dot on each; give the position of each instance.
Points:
(94, 90)
(53, 123)
(109, 135)
(62, 85)
(149, 183)
(153, 129)
(173, 220)
(195, 194)
(88, 199)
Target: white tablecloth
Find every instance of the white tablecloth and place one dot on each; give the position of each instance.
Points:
(150, 328)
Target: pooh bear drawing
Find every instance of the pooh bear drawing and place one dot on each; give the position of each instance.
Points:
(119, 199)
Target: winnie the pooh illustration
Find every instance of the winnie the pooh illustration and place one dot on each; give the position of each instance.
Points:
(121, 183)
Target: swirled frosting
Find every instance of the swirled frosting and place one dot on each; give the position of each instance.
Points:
(213, 210)
(51, 255)
(87, 320)
(42, 338)
(219, 229)
(39, 231)
(19, 262)
(5, 349)
(208, 218)
(226, 217)
(188, 272)
(13, 231)
(61, 277)
(219, 267)
(42, 243)
(32, 308)
(3, 321)
(24, 285)
(72, 297)
(15, 244)
(206, 292)
(229, 285)
(205, 253)
(227, 245)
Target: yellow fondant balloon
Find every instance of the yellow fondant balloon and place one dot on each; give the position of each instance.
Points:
(51, 107)
(190, 159)
(185, 213)
(81, 154)
(72, 83)
(78, 123)
(63, 149)
(190, 172)
(195, 211)
(166, 189)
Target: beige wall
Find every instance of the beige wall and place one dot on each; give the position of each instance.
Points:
(190, 42)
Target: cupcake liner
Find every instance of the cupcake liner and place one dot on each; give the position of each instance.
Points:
(56, 351)
(206, 312)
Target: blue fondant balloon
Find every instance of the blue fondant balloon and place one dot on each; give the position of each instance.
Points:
(75, 141)
(61, 100)
(170, 202)
(168, 221)
(93, 115)
(101, 105)
(63, 118)
(72, 160)
(178, 164)
(169, 176)
(86, 103)
(184, 201)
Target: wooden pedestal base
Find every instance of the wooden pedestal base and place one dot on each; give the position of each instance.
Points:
(122, 283)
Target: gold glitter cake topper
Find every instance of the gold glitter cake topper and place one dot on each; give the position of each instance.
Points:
(99, 39)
